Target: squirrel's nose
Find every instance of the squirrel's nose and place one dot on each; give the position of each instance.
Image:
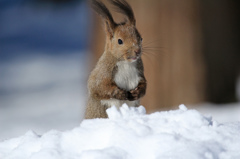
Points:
(137, 52)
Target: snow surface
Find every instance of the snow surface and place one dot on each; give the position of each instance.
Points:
(41, 92)
(129, 133)
(220, 112)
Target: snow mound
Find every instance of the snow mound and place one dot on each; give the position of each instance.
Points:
(130, 133)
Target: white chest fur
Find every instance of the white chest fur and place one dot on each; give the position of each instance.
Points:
(127, 76)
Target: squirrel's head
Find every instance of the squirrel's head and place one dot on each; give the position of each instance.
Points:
(123, 39)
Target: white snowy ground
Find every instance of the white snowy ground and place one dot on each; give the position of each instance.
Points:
(131, 134)
(41, 93)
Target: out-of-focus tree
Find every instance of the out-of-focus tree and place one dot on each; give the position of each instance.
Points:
(220, 21)
(174, 40)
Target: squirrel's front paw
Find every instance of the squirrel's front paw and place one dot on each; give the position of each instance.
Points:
(136, 93)
(121, 94)
(131, 97)
(133, 94)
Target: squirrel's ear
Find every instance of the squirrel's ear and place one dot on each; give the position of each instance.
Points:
(109, 28)
(123, 7)
(102, 10)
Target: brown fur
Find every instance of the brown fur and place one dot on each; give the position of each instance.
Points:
(101, 84)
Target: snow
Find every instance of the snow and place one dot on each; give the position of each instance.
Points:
(42, 92)
(220, 112)
(46, 94)
(130, 133)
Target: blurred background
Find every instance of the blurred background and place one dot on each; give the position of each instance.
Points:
(48, 48)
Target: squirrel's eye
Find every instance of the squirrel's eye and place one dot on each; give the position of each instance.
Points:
(141, 39)
(120, 42)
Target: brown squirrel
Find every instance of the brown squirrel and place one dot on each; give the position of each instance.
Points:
(118, 77)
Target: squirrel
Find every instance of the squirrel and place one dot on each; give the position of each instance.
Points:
(118, 76)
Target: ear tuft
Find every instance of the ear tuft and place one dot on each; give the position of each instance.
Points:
(123, 7)
(103, 11)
